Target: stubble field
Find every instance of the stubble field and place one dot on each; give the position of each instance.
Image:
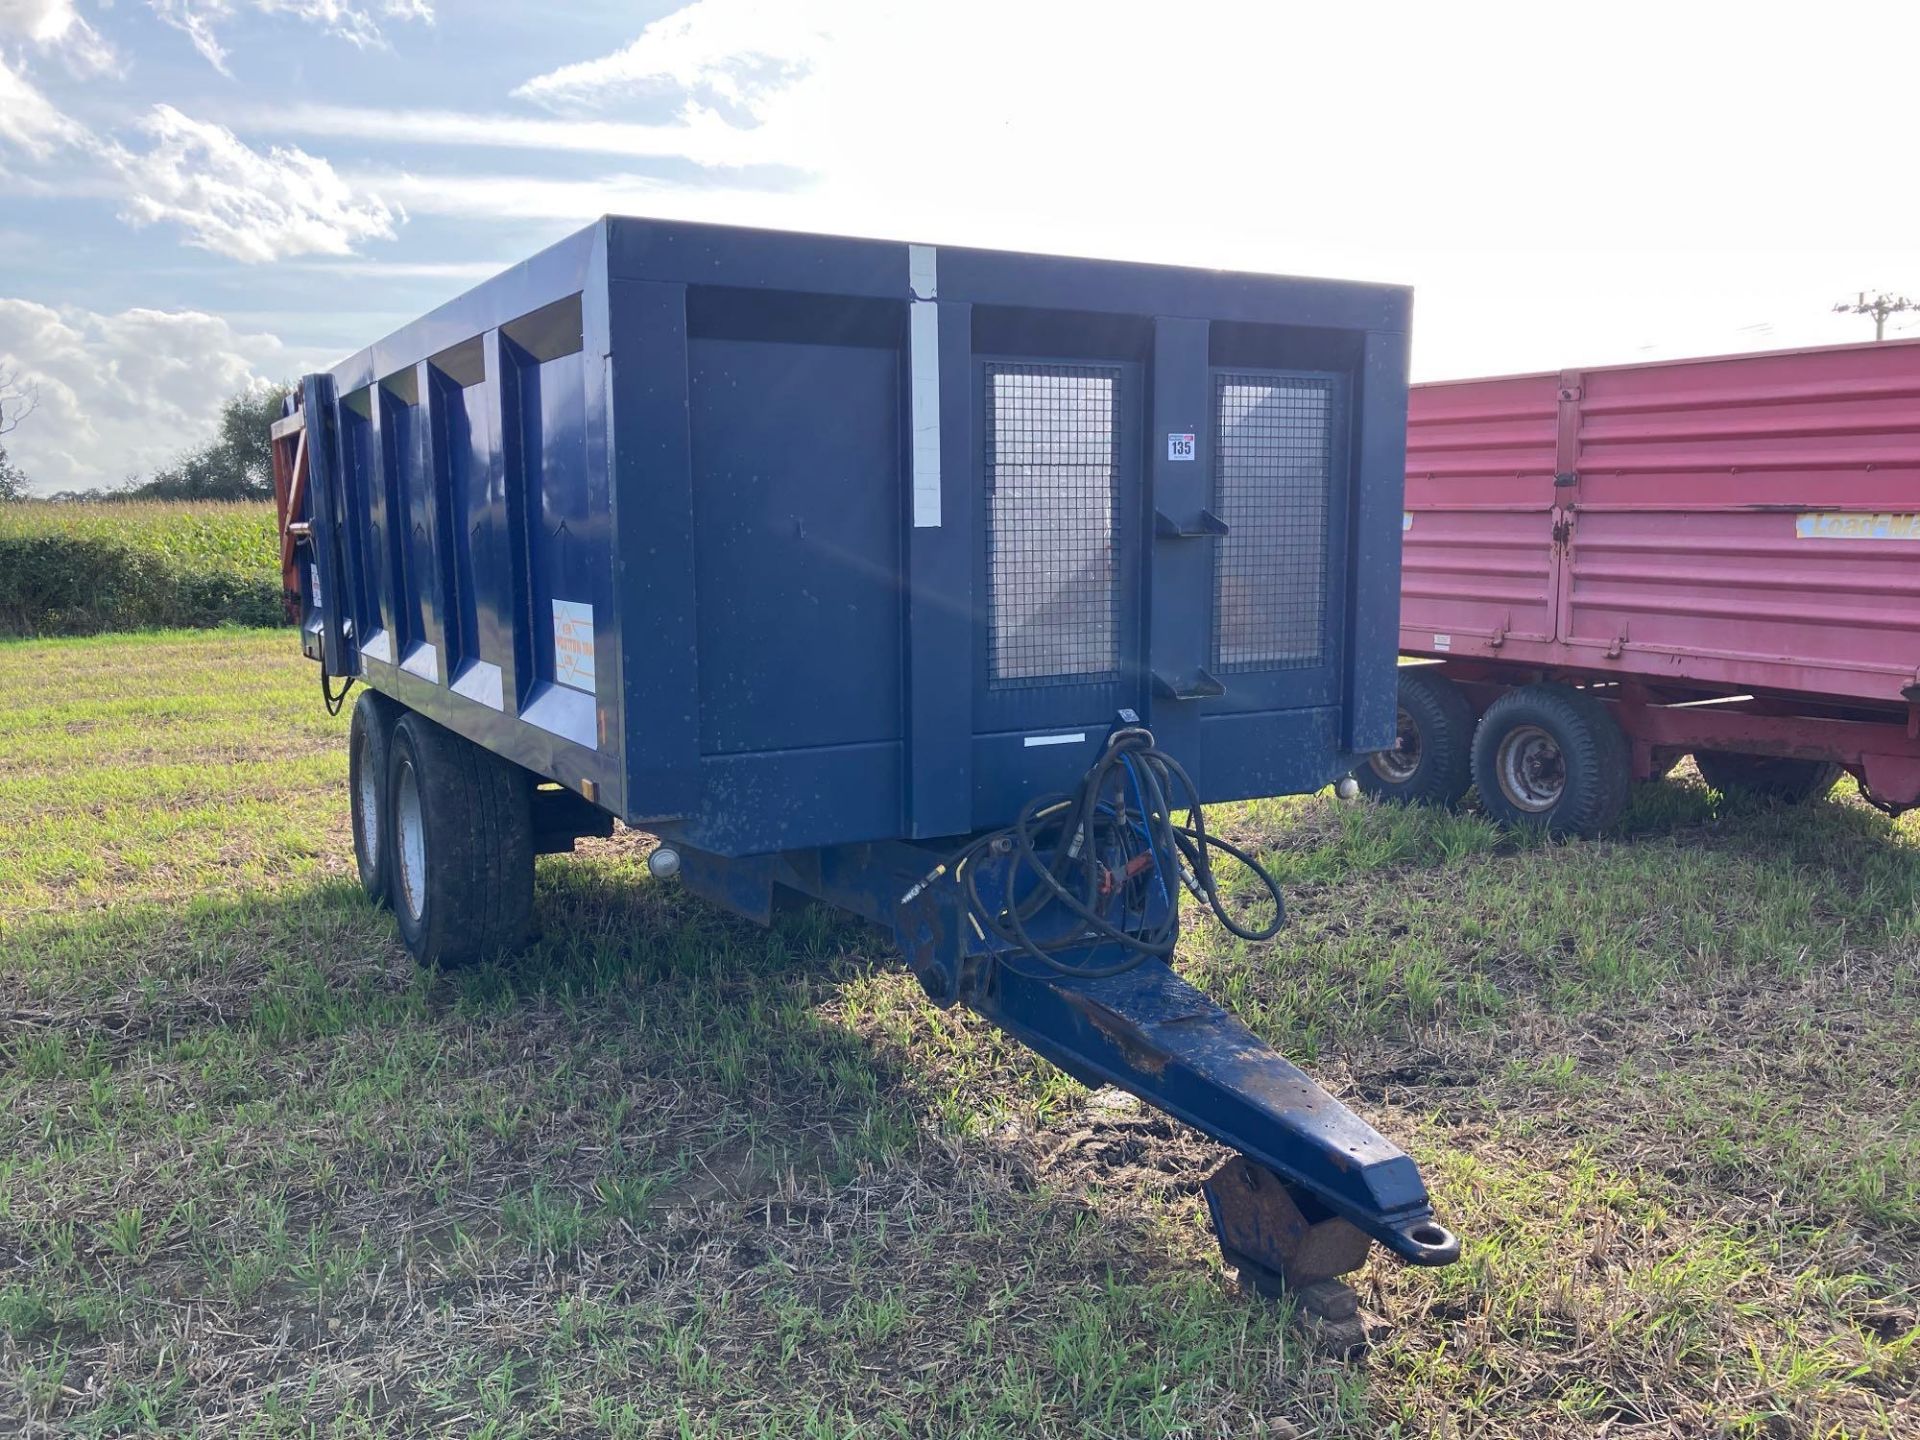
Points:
(666, 1174)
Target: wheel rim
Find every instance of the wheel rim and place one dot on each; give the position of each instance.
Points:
(1531, 768)
(410, 833)
(369, 817)
(1396, 766)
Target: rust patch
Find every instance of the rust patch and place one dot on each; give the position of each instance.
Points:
(1135, 1044)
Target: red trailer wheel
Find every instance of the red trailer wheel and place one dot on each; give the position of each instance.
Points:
(1550, 758)
(1431, 762)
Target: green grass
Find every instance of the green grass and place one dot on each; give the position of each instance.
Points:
(668, 1174)
(84, 568)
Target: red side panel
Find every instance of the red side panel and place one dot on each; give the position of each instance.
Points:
(1477, 564)
(1751, 523)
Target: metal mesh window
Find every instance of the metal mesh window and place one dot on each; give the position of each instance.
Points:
(1052, 465)
(1273, 474)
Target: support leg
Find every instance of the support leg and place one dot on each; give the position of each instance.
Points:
(1279, 1252)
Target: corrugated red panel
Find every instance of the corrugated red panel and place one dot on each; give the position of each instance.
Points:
(1475, 553)
(1751, 522)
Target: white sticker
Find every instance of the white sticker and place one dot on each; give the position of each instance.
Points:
(573, 644)
(1443, 642)
(1406, 520)
(1179, 447)
(313, 595)
(1855, 525)
(1073, 739)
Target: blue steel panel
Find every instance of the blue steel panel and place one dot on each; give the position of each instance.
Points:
(1284, 752)
(653, 554)
(940, 607)
(382, 568)
(755, 259)
(1379, 483)
(797, 540)
(1181, 565)
(568, 519)
(453, 453)
(794, 799)
(503, 593)
(1056, 282)
(764, 259)
(567, 267)
(332, 549)
(404, 431)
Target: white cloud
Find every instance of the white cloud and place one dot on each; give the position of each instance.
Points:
(703, 136)
(733, 51)
(239, 202)
(56, 26)
(359, 24)
(123, 392)
(31, 123)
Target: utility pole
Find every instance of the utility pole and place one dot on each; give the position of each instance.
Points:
(1879, 307)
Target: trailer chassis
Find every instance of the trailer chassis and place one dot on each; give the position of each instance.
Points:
(1879, 747)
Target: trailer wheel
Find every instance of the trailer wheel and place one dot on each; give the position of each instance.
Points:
(1550, 758)
(368, 736)
(462, 845)
(1771, 777)
(1431, 762)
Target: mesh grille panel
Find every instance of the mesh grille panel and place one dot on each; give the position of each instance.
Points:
(1051, 466)
(1273, 469)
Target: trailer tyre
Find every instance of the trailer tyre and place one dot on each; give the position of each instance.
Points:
(368, 736)
(1551, 758)
(462, 850)
(1770, 777)
(1431, 762)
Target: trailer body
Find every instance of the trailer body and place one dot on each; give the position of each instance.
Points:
(1727, 548)
(767, 541)
(826, 560)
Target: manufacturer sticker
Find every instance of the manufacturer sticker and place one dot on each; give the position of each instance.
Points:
(1854, 525)
(573, 644)
(313, 594)
(1443, 642)
(1179, 447)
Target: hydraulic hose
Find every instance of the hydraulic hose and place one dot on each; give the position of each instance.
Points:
(1096, 853)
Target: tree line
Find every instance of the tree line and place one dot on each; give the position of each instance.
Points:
(236, 464)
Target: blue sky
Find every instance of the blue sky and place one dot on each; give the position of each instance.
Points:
(197, 195)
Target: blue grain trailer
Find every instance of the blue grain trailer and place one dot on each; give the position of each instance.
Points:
(936, 584)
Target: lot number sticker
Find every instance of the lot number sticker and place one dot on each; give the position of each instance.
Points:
(1179, 447)
(573, 644)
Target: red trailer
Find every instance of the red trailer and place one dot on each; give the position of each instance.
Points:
(1613, 568)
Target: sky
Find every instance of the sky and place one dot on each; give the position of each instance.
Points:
(201, 195)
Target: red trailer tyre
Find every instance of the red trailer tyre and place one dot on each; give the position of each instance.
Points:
(1431, 762)
(1772, 777)
(462, 845)
(1547, 757)
(368, 735)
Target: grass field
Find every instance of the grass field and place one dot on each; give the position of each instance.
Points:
(670, 1175)
(83, 568)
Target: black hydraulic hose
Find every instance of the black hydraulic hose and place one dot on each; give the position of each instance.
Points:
(1059, 847)
(332, 701)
